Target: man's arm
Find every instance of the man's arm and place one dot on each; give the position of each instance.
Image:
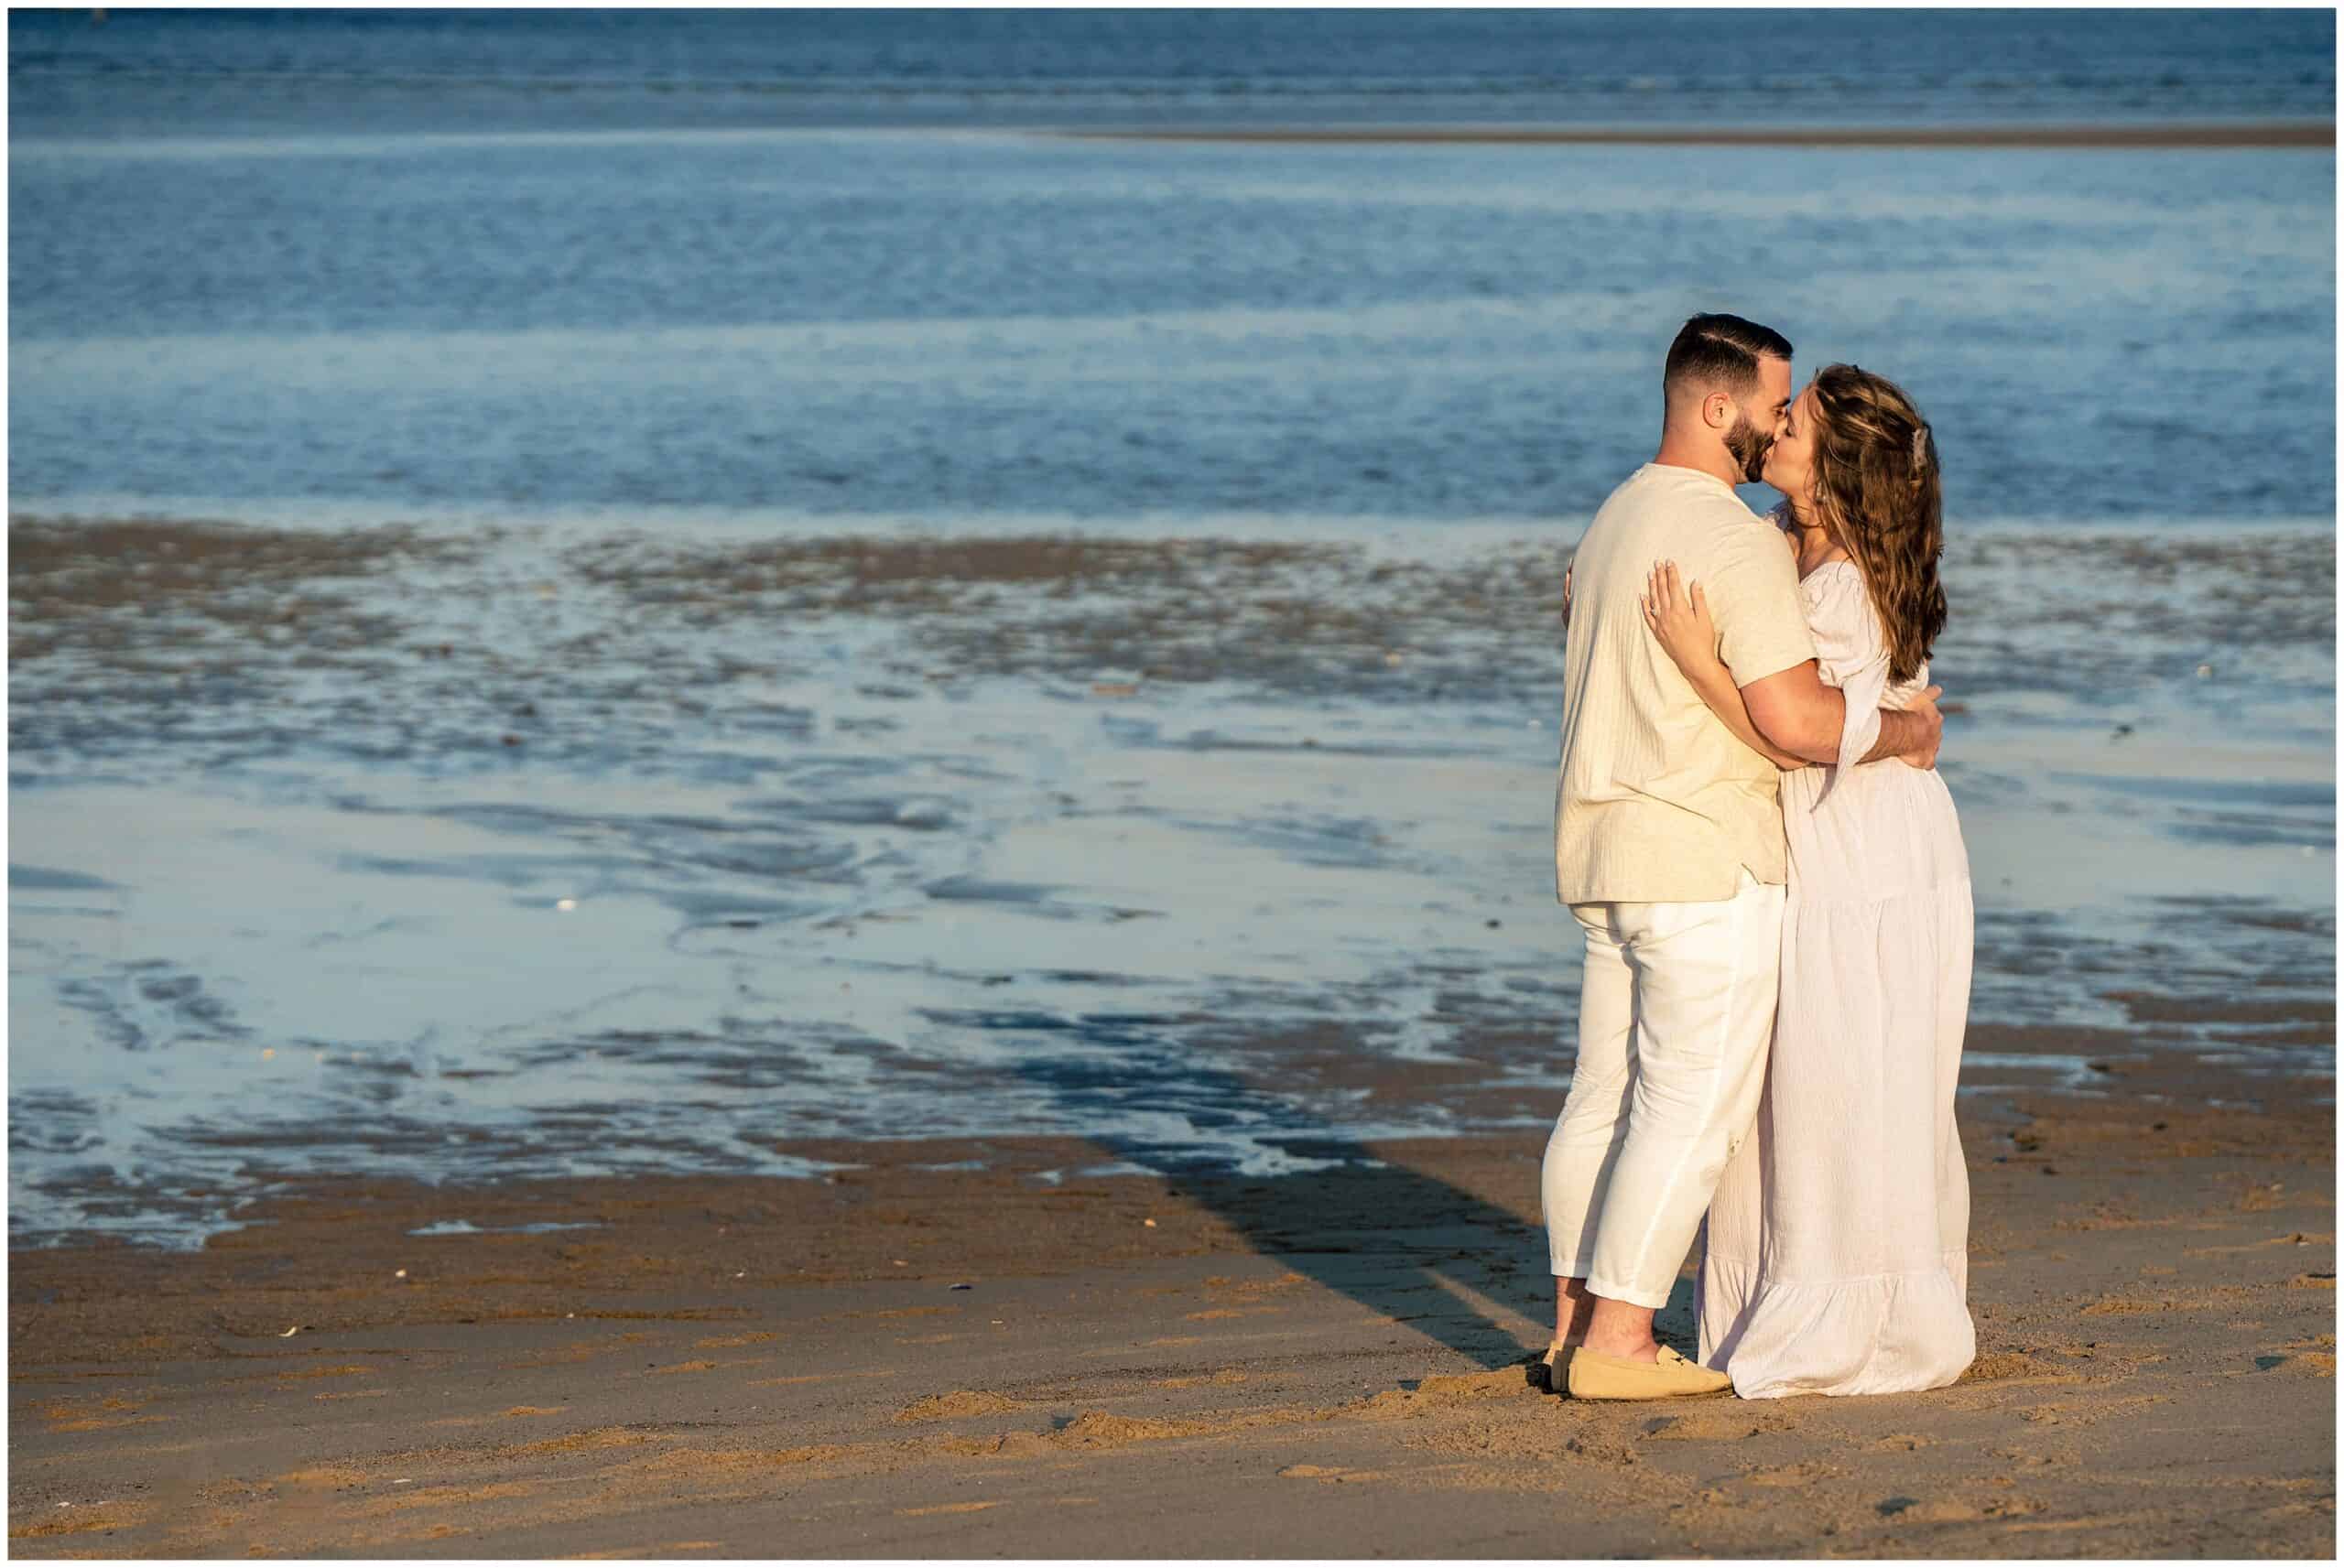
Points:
(1796, 711)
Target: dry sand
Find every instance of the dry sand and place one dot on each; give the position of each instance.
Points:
(1311, 1366)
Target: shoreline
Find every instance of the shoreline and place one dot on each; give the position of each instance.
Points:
(1395, 533)
(910, 1358)
(2254, 133)
(673, 879)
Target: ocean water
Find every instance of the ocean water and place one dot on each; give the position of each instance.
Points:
(329, 307)
(711, 768)
(149, 72)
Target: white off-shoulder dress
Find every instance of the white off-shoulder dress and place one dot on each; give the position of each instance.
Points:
(1836, 1258)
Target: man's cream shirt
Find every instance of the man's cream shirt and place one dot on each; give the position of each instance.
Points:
(1657, 802)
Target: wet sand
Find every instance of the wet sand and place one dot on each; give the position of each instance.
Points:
(1323, 1364)
(2258, 134)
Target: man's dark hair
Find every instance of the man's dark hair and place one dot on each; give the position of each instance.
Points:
(1721, 351)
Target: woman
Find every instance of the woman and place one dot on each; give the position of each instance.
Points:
(1835, 1254)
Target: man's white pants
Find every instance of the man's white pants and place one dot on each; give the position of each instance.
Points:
(1674, 1017)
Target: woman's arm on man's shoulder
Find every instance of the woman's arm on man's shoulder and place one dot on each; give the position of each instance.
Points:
(1679, 618)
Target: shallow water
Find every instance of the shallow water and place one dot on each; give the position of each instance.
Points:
(597, 852)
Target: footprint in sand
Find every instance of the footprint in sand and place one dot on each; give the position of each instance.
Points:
(1800, 1474)
(81, 1522)
(2015, 1366)
(1913, 1511)
(2033, 1459)
(1329, 1475)
(1441, 1390)
(1709, 1426)
(960, 1402)
(1221, 1378)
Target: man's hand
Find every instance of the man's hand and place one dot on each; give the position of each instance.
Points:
(1797, 713)
(1927, 729)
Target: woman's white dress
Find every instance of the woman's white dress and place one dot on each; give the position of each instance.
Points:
(1837, 1257)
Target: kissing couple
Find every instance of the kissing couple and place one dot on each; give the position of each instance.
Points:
(1776, 897)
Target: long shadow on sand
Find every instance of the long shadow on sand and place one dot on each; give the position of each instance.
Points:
(1410, 1247)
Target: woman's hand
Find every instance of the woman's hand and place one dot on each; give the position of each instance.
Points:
(1679, 618)
(1567, 596)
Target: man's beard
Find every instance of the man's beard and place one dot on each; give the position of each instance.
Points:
(1749, 446)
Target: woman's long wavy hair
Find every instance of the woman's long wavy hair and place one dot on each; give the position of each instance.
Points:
(1876, 491)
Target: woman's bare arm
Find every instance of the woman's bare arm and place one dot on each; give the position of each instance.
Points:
(1681, 622)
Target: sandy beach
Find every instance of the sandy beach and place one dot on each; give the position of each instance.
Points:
(908, 1360)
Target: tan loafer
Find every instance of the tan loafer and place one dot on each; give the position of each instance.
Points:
(1595, 1376)
(1557, 1363)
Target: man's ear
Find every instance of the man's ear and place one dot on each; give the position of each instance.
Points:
(1716, 411)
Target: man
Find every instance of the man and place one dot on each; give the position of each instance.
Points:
(1670, 850)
